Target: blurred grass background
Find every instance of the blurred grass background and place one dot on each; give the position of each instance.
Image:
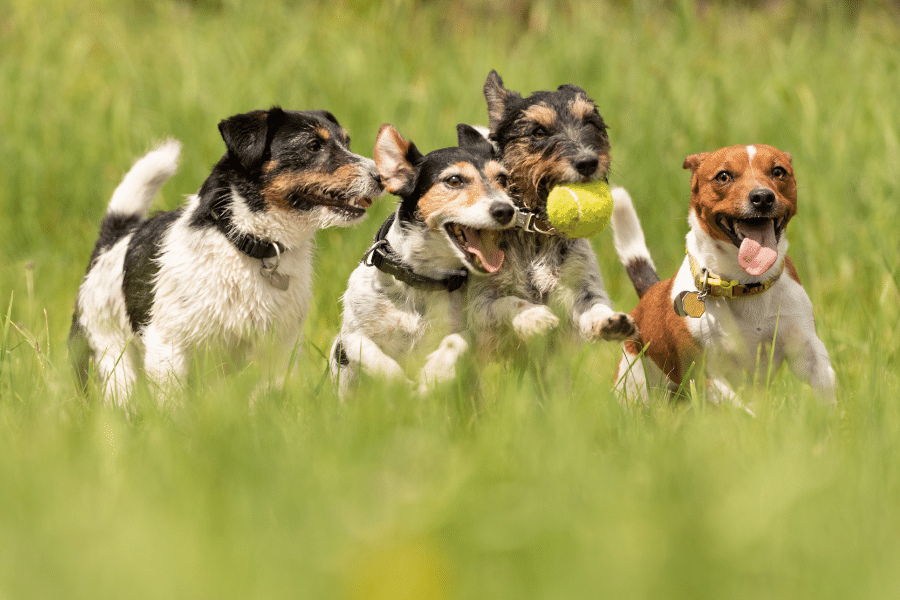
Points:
(538, 486)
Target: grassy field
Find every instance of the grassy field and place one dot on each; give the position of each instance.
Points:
(540, 486)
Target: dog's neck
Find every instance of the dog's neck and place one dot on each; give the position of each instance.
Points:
(427, 252)
(227, 210)
(721, 257)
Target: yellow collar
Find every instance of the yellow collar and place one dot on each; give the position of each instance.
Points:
(713, 285)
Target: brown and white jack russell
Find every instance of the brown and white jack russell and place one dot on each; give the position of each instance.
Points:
(736, 304)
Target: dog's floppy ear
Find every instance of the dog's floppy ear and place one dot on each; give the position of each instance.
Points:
(498, 98)
(693, 161)
(248, 135)
(466, 135)
(396, 160)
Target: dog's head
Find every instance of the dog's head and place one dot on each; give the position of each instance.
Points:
(546, 139)
(298, 163)
(456, 193)
(743, 196)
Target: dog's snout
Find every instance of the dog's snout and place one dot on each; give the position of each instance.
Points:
(587, 166)
(377, 179)
(502, 212)
(762, 199)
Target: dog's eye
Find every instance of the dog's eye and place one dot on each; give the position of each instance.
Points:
(779, 173)
(723, 177)
(502, 180)
(539, 133)
(454, 181)
(315, 145)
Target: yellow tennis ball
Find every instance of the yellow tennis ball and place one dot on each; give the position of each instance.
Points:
(580, 210)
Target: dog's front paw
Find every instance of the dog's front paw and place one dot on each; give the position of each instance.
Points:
(533, 321)
(617, 327)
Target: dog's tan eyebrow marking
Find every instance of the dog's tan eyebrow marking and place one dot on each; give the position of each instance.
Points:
(541, 114)
(323, 133)
(581, 107)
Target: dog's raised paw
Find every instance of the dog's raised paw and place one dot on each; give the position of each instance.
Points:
(533, 321)
(616, 328)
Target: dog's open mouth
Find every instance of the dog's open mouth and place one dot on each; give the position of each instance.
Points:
(756, 240)
(479, 246)
(350, 206)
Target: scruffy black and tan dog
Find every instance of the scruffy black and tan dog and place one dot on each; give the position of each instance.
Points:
(546, 139)
(404, 308)
(232, 264)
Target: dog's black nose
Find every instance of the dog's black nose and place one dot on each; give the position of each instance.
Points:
(502, 212)
(762, 199)
(587, 166)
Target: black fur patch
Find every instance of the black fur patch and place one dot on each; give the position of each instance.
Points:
(113, 227)
(340, 355)
(642, 275)
(141, 268)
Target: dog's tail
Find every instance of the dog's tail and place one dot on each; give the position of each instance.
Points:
(630, 243)
(133, 197)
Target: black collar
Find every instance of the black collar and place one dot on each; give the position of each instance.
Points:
(250, 245)
(381, 256)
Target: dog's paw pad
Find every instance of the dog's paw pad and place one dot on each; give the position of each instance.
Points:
(617, 328)
(533, 321)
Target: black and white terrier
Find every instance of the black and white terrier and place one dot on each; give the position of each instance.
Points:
(546, 139)
(404, 308)
(234, 262)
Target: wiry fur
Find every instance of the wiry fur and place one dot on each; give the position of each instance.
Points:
(547, 139)
(734, 337)
(157, 288)
(391, 328)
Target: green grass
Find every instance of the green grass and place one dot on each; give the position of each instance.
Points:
(540, 486)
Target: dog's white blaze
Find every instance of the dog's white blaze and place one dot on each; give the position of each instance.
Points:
(751, 153)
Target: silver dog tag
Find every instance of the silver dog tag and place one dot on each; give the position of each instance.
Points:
(275, 279)
(689, 304)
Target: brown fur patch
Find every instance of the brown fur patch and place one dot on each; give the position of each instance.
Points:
(323, 133)
(528, 168)
(792, 270)
(581, 107)
(541, 114)
(277, 193)
(443, 199)
(663, 334)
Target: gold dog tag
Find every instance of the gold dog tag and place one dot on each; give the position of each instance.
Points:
(689, 304)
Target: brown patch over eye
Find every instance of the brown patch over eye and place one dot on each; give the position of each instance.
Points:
(323, 133)
(541, 114)
(497, 173)
(444, 197)
(582, 108)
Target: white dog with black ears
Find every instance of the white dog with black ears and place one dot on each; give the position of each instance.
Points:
(404, 308)
(233, 263)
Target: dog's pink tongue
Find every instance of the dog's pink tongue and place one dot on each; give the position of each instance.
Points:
(759, 250)
(483, 244)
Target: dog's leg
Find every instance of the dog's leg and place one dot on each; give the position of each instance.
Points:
(632, 378)
(526, 319)
(165, 363)
(362, 353)
(592, 310)
(808, 359)
(116, 369)
(441, 364)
